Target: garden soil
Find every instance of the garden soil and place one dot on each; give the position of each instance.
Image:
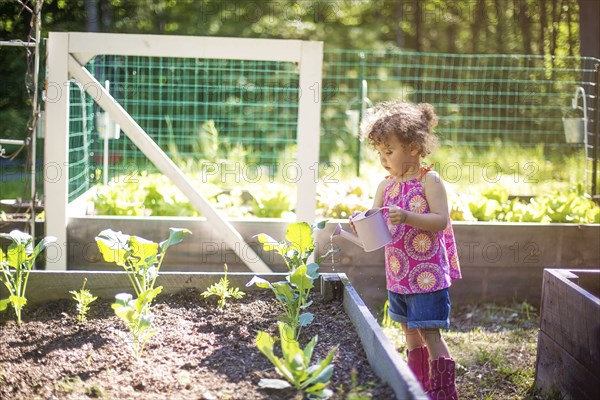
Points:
(200, 352)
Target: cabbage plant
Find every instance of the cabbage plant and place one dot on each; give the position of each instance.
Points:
(16, 265)
(293, 293)
(139, 257)
(137, 316)
(141, 260)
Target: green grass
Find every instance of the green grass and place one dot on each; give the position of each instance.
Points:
(494, 348)
(520, 171)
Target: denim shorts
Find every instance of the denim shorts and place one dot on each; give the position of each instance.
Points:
(421, 310)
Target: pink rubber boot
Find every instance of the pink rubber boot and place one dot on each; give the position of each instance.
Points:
(442, 380)
(418, 362)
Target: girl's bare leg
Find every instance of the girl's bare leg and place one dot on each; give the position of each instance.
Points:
(413, 337)
(435, 343)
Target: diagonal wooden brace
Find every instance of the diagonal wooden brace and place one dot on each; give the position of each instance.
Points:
(164, 164)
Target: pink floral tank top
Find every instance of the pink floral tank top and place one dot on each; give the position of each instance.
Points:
(417, 261)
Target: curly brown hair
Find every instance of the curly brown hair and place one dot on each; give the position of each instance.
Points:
(409, 122)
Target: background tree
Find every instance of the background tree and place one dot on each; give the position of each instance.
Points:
(460, 26)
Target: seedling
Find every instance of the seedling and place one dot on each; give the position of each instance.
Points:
(140, 259)
(16, 265)
(138, 256)
(295, 365)
(83, 298)
(136, 314)
(223, 291)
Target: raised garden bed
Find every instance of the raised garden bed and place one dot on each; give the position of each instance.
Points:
(501, 262)
(568, 358)
(201, 352)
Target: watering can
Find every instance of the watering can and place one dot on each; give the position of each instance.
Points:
(371, 227)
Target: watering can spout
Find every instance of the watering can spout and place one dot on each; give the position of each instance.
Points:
(347, 235)
(372, 230)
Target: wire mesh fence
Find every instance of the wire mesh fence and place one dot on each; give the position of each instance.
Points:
(246, 111)
(81, 126)
(480, 99)
(204, 109)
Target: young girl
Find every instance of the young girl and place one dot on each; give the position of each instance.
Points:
(421, 261)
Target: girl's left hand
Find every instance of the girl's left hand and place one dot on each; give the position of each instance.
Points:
(397, 215)
(354, 214)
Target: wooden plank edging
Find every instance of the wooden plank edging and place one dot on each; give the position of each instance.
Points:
(568, 348)
(45, 286)
(558, 370)
(382, 355)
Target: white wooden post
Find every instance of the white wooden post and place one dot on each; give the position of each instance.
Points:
(309, 130)
(56, 149)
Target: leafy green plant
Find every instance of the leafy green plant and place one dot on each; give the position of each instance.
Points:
(84, 298)
(223, 291)
(138, 257)
(485, 208)
(16, 265)
(138, 317)
(271, 203)
(298, 245)
(293, 293)
(574, 206)
(342, 199)
(145, 194)
(295, 366)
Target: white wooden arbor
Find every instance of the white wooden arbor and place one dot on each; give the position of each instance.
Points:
(69, 52)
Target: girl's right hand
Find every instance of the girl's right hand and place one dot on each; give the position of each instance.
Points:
(397, 215)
